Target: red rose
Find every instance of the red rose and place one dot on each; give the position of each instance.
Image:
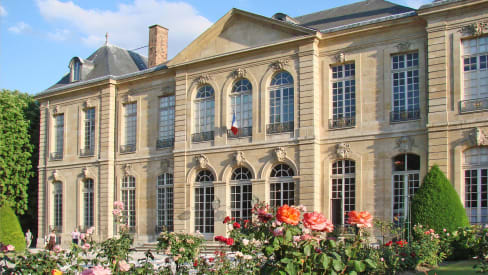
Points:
(229, 241)
(288, 215)
(316, 221)
(226, 220)
(195, 263)
(401, 243)
(389, 243)
(236, 225)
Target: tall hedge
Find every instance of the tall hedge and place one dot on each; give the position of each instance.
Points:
(437, 205)
(10, 231)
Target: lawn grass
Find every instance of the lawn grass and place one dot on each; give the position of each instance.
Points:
(460, 267)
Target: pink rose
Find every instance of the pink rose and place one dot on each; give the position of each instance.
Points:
(316, 221)
(10, 247)
(278, 231)
(124, 266)
(116, 212)
(90, 230)
(86, 246)
(96, 270)
(306, 237)
(57, 248)
(119, 205)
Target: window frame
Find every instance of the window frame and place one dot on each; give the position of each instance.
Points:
(399, 217)
(204, 126)
(240, 189)
(347, 80)
(204, 187)
(58, 141)
(58, 205)
(128, 197)
(244, 112)
(405, 111)
(166, 129)
(344, 177)
(89, 120)
(481, 177)
(283, 185)
(165, 202)
(129, 143)
(474, 101)
(88, 203)
(277, 123)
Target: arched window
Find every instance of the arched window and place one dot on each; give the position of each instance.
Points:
(281, 108)
(343, 189)
(241, 193)
(406, 180)
(204, 114)
(88, 204)
(241, 102)
(129, 200)
(204, 196)
(475, 164)
(165, 202)
(282, 185)
(58, 206)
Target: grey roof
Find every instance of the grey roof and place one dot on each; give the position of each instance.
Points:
(367, 10)
(438, 3)
(107, 60)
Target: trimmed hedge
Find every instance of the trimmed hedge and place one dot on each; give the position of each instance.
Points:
(10, 231)
(437, 205)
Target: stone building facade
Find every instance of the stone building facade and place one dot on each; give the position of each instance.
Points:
(338, 110)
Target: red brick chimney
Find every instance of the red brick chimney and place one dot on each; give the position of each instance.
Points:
(158, 45)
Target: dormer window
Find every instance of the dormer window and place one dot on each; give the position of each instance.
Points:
(75, 69)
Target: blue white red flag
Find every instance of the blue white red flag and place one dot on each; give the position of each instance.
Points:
(234, 128)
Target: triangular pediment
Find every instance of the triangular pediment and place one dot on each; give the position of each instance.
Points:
(238, 30)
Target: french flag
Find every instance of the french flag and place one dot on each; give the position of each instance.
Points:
(233, 127)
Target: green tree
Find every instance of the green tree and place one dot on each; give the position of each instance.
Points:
(437, 205)
(10, 231)
(16, 167)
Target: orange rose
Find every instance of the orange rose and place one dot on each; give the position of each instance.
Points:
(360, 219)
(56, 272)
(288, 215)
(317, 221)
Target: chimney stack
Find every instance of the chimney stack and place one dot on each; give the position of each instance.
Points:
(158, 45)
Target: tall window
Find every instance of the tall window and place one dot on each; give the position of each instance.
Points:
(406, 180)
(241, 100)
(89, 142)
(204, 196)
(58, 205)
(241, 193)
(129, 200)
(165, 202)
(475, 68)
(130, 118)
(405, 76)
(88, 203)
(281, 114)
(166, 121)
(343, 96)
(58, 136)
(282, 185)
(204, 114)
(76, 70)
(343, 189)
(476, 184)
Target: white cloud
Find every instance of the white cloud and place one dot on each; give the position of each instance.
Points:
(128, 25)
(59, 34)
(20, 27)
(3, 11)
(416, 3)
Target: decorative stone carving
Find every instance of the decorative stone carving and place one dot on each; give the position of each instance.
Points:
(475, 29)
(404, 144)
(279, 65)
(84, 172)
(55, 175)
(340, 57)
(478, 137)
(167, 90)
(239, 157)
(55, 110)
(403, 46)
(203, 79)
(166, 166)
(239, 73)
(202, 161)
(127, 167)
(343, 150)
(127, 98)
(280, 153)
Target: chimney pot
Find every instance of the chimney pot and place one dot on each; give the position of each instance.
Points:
(158, 45)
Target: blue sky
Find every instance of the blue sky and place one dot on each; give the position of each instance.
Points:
(39, 37)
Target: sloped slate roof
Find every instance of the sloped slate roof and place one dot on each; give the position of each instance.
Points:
(350, 14)
(108, 60)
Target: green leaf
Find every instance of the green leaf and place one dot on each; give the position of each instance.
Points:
(325, 261)
(288, 236)
(359, 266)
(332, 244)
(353, 272)
(348, 252)
(370, 263)
(307, 250)
(285, 260)
(337, 265)
(290, 268)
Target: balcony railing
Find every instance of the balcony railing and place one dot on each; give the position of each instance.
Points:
(86, 152)
(203, 136)
(343, 122)
(163, 143)
(279, 127)
(242, 132)
(56, 155)
(127, 148)
(473, 105)
(400, 116)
